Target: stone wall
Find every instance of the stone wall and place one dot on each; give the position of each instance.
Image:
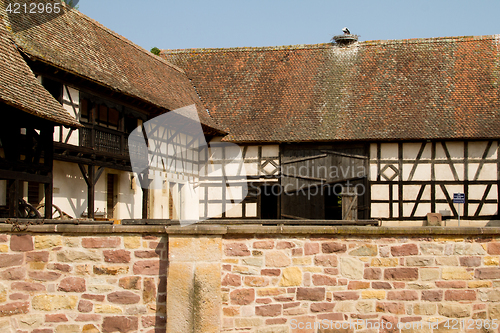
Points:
(61, 283)
(283, 284)
(281, 279)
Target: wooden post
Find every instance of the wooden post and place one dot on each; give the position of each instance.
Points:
(14, 198)
(47, 138)
(90, 192)
(145, 195)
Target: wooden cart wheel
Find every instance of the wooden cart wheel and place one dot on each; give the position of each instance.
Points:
(57, 213)
(27, 211)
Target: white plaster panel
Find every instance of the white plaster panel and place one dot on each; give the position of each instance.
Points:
(373, 172)
(270, 151)
(251, 169)
(488, 172)
(380, 210)
(411, 149)
(215, 210)
(251, 209)
(252, 152)
(476, 149)
(456, 149)
(234, 193)
(233, 210)
(395, 192)
(373, 151)
(410, 192)
(423, 209)
(493, 192)
(422, 172)
(407, 208)
(380, 192)
(389, 151)
(450, 189)
(233, 152)
(476, 192)
(489, 209)
(215, 193)
(444, 171)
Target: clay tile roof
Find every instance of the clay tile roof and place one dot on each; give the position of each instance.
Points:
(20, 88)
(82, 46)
(437, 88)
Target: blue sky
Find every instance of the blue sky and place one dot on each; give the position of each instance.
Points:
(224, 23)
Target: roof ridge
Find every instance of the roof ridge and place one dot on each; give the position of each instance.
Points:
(324, 45)
(123, 39)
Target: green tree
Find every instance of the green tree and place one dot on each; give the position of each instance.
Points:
(155, 50)
(71, 3)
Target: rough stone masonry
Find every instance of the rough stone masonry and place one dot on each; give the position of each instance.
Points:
(58, 279)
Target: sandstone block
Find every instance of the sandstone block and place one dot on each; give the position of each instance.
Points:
(323, 280)
(236, 250)
(54, 302)
(44, 275)
(90, 328)
(252, 261)
(352, 268)
(326, 260)
(132, 242)
(55, 318)
(311, 248)
(470, 261)
(370, 294)
(263, 244)
(431, 249)
(432, 295)
(454, 310)
(456, 273)
(146, 267)
(77, 256)
(491, 261)
(401, 274)
(106, 308)
(277, 259)
(391, 307)
(492, 295)
(271, 291)
(146, 254)
(402, 295)
(404, 250)
(451, 284)
(384, 262)
(372, 273)
(333, 247)
(149, 291)
(101, 242)
(271, 272)
(426, 309)
(381, 285)
(419, 261)
(322, 307)
(37, 256)
(46, 242)
(365, 306)
(111, 270)
(255, 281)
(494, 311)
(365, 250)
(311, 294)
(231, 280)
(123, 297)
(8, 260)
(72, 284)
(345, 295)
(493, 248)
(120, 324)
(130, 282)
(460, 295)
(292, 276)
(488, 273)
(242, 296)
(14, 273)
(270, 310)
(68, 329)
(284, 245)
(85, 306)
(469, 249)
(116, 256)
(354, 285)
(14, 308)
(27, 286)
(21, 243)
(429, 274)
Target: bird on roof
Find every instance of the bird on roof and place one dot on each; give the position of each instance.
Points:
(346, 31)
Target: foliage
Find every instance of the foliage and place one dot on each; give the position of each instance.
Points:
(155, 50)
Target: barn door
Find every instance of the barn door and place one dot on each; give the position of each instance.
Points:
(318, 181)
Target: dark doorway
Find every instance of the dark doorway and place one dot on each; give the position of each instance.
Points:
(333, 202)
(269, 202)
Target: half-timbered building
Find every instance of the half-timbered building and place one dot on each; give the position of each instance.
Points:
(377, 129)
(104, 87)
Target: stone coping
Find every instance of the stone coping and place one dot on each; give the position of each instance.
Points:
(258, 230)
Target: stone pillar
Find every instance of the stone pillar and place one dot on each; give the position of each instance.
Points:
(194, 299)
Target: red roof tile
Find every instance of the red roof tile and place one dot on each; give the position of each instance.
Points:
(82, 46)
(438, 88)
(20, 88)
